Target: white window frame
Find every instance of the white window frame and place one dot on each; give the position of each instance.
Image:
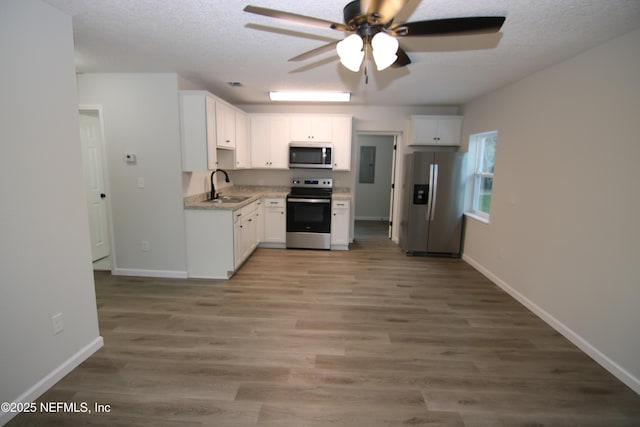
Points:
(477, 146)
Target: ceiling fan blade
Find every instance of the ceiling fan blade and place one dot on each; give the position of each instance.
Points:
(451, 26)
(403, 59)
(381, 11)
(295, 18)
(314, 52)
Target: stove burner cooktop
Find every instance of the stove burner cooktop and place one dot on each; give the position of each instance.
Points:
(316, 187)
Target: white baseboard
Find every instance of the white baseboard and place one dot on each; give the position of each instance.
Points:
(272, 245)
(169, 274)
(618, 371)
(53, 377)
(371, 218)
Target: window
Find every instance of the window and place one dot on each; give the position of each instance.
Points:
(483, 147)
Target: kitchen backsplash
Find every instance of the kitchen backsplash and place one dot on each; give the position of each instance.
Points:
(194, 183)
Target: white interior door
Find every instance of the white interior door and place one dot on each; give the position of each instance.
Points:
(91, 137)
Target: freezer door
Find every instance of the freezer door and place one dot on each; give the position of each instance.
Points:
(444, 229)
(417, 196)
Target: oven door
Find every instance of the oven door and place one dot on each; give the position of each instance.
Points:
(308, 215)
(308, 222)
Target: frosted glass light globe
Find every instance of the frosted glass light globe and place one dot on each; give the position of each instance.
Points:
(350, 52)
(384, 50)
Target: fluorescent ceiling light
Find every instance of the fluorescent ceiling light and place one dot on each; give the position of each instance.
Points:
(310, 96)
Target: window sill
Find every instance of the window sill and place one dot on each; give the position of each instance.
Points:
(476, 217)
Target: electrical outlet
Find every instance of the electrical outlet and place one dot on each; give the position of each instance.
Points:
(57, 323)
(146, 247)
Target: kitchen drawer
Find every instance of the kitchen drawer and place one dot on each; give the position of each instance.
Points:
(274, 203)
(244, 211)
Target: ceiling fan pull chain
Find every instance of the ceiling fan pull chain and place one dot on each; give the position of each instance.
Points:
(366, 65)
(366, 73)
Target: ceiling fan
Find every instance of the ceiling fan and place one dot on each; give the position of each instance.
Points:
(373, 31)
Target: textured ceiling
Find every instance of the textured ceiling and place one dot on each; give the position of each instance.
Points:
(215, 42)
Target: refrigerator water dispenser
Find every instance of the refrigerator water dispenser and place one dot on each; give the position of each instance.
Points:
(420, 192)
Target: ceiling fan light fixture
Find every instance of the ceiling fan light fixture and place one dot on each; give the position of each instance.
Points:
(350, 52)
(307, 96)
(384, 50)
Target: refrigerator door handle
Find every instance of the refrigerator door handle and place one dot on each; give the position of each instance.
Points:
(430, 190)
(434, 192)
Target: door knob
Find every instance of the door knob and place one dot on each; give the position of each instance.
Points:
(103, 196)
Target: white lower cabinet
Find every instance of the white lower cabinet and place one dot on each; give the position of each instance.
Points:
(274, 222)
(245, 233)
(237, 241)
(340, 224)
(210, 250)
(219, 240)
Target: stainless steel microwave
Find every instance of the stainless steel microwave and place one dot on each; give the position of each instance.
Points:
(315, 156)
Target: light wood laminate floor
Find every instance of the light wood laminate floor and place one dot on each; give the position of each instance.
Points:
(368, 337)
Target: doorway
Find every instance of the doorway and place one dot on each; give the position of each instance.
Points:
(93, 161)
(375, 171)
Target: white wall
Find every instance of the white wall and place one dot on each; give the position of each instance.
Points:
(373, 198)
(564, 234)
(45, 256)
(141, 117)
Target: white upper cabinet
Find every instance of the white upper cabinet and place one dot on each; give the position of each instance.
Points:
(269, 141)
(311, 129)
(436, 130)
(225, 126)
(328, 129)
(342, 143)
(198, 131)
(242, 158)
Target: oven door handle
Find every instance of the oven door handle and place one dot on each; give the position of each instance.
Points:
(309, 200)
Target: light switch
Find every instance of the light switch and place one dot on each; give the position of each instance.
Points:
(140, 182)
(57, 323)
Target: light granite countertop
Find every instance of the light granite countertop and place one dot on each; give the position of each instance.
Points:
(199, 201)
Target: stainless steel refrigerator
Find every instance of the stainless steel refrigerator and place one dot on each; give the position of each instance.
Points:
(432, 217)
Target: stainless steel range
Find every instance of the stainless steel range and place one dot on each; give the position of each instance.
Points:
(309, 213)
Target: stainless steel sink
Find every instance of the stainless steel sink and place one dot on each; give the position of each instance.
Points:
(228, 199)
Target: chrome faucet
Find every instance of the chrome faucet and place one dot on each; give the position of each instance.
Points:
(214, 195)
